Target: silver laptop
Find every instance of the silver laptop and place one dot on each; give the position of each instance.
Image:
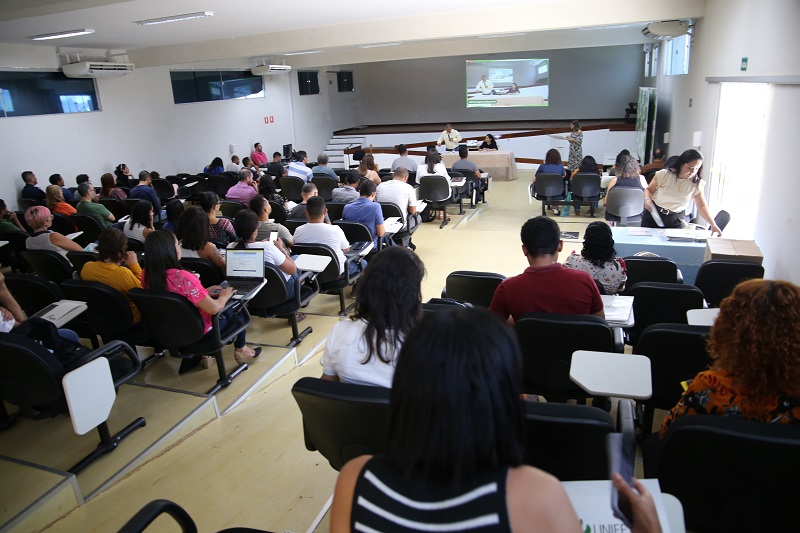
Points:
(244, 271)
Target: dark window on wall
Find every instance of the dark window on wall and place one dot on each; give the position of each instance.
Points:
(45, 93)
(344, 80)
(308, 82)
(190, 86)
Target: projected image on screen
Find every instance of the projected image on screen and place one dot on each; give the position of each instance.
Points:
(508, 82)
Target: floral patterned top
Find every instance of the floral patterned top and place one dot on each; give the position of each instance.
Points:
(716, 392)
(188, 285)
(612, 275)
(575, 150)
(222, 231)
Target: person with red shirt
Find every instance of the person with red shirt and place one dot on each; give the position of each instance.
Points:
(258, 156)
(546, 286)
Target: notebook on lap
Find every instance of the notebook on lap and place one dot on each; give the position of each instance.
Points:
(244, 271)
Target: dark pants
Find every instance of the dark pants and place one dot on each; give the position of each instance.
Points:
(230, 320)
(672, 220)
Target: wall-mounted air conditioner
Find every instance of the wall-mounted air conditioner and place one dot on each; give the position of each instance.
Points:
(264, 70)
(96, 69)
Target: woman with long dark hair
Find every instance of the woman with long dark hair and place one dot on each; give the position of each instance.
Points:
(454, 456)
(671, 189)
(368, 169)
(140, 224)
(433, 165)
(110, 189)
(553, 165)
(123, 175)
(219, 229)
(627, 177)
(215, 167)
(195, 241)
(599, 258)
(163, 271)
(364, 348)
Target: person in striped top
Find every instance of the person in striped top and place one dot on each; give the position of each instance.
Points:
(457, 467)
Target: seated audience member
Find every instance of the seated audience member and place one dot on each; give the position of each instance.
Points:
(10, 308)
(145, 191)
(546, 286)
(451, 378)
(260, 206)
(174, 208)
(368, 169)
(56, 179)
(367, 212)
(234, 165)
(30, 191)
(83, 178)
(322, 169)
(363, 350)
(465, 164)
(140, 224)
(488, 142)
(109, 188)
(348, 192)
(397, 191)
(299, 167)
(124, 176)
(214, 168)
(115, 266)
(195, 241)
(162, 271)
(244, 190)
(404, 161)
(627, 176)
(588, 166)
(276, 166)
(87, 205)
(9, 222)
(755, 353)
(658, 161)
(599, 259)
(319, 232)
(299, 211)
(433, 165)
(246, 226)
(553, 165)
(258, 156)
(56, 203)
(219, 229)
(252, 167)
(618, 161)
(39, 219)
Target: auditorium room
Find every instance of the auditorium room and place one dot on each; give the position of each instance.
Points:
(292, 267)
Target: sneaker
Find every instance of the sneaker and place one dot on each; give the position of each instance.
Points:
(412, 246)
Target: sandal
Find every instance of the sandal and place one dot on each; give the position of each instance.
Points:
(207, 361)
(246, 354)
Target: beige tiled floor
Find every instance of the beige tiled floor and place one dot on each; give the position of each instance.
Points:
(250, 467)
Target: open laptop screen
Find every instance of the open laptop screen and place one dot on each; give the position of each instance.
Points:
(244, 263)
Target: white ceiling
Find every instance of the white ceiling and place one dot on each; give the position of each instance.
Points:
(250, 28)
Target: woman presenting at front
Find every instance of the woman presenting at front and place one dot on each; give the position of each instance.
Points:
(672, 188)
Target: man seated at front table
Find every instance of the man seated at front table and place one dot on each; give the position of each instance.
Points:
(322, 169)
(144, 191)
(366, 211)
(397, 191)
(245, 188)
(546, 286)
(317, 232)
(404, 161)
(276, 166)
(308, 191)
(87, 206)
(299, 168)
(30, 191)
(348, 193)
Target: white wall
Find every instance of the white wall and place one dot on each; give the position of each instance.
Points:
(765, 33)
(141, 126)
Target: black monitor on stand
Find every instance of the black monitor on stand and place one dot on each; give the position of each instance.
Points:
(287, 152)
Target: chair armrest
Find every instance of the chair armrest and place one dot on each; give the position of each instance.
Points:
(237, 306)
(305, 274)
(679, 279)
(619, 339)
(112, 350)
(147, 514)
(626, 417)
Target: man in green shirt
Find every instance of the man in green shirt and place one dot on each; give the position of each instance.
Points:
(8, 220)
(87, 207)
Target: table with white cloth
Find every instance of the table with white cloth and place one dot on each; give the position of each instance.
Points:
(500, 164)
(687, 255)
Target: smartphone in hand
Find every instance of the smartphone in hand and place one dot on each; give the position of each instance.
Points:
(621, 451)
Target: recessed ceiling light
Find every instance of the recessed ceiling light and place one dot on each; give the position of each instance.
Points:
(61, 35)
(381, 45)
(176, 18)
(501, 35)
(302, 53)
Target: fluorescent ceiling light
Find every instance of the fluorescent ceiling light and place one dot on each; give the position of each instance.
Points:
(501, 35)
(615, 27)
(61, 35)
(302, 53)
(176, 18)
(378, 45)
